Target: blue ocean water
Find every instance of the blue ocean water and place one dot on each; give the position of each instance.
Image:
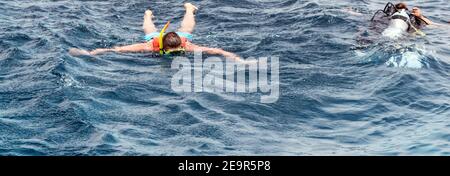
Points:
(343, 89)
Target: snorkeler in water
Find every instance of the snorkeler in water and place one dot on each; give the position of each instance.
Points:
(164, 43)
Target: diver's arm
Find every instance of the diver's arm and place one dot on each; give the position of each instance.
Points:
(426, 20)
(214, 51)
(141, 47)
(429, 22)
(418, 13)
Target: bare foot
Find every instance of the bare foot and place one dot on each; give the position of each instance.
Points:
(190, 7)
(148, 14)
(78, 52)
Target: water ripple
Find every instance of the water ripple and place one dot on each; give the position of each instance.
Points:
(344, 90)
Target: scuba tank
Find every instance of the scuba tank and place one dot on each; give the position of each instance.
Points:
(388, 10)
(401, 14)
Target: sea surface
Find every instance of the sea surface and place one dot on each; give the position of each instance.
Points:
(344, 90)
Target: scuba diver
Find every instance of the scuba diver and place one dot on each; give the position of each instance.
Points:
(402, 20)
(164, 43)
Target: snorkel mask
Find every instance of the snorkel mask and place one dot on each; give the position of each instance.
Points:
(162, 51)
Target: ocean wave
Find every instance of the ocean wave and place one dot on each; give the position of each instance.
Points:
(343, 89)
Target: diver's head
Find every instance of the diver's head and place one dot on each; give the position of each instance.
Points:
(401, 6)
(171, 41)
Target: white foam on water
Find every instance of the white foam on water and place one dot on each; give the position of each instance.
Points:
(359, 53)
(406, 60)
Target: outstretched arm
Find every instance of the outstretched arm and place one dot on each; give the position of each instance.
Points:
(418, 13)
(141, 47)
(214, 51)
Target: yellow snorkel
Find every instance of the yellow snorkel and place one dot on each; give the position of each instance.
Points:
(416, 31)
(419, 32)
(161, 43)
(161, 35)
